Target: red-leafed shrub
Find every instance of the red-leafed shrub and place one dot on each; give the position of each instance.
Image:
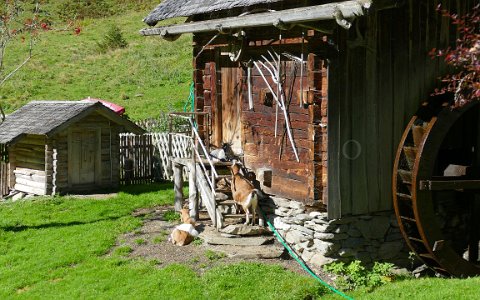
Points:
(464, 81)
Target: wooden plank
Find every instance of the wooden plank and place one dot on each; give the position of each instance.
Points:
(29, 189)
(442, 185)
(347, 9)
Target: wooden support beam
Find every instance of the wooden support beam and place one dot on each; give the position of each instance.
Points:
(339, 11)
(443, 185)
(178, 185)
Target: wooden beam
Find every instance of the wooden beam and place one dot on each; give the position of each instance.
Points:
(340, 11)
(442, 185)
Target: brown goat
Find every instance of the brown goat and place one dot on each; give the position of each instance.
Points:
(244, 193)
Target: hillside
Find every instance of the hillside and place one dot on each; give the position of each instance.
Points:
(148, 76)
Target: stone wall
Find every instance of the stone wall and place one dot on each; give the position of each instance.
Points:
(320, 241)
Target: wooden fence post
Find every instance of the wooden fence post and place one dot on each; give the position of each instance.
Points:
(178, 185)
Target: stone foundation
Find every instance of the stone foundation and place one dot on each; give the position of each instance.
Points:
(320, 241)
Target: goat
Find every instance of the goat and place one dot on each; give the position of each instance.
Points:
(244, 193)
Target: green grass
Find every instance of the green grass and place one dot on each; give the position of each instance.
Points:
(421, 289)
(55, 248)
(150, 75)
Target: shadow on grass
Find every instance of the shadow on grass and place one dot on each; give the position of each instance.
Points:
(146, 188)
(19, 228)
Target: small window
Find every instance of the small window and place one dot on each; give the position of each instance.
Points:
(267, 98)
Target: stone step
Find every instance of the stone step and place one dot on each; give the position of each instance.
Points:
(244, 230)
(271, 251)
(212, 237)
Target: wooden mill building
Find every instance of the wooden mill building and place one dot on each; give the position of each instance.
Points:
(58, 147)
(315, 97)
(366, 70)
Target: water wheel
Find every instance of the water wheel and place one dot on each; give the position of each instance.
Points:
(436, 187)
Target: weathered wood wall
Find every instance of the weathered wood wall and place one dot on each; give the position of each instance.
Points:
(136, 164)
(4, 190)
(377, 81)
(28, 164)
(107, 164)
(221, 89)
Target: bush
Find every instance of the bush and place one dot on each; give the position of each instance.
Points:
(80, 9)
(113, 40)
(354, 275)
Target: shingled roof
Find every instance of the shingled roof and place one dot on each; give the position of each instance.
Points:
(185, 8)
(48, 117)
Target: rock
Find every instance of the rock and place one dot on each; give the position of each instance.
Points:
(324, 236)
(346, 252)
(363, 256)
(320, 260)
(389, 250)
(281, 202)
(340, 236)
(251, 252)
(307, 255)
(243, 230)
(374, 229)
(278, 212)
(279, 224)
(394, 237)
(18, 196)
(325, 248)
(354, 243)
(320, 221)
(212, 237)
(400, 272)
(303, 217)
(341, 229)
(292, 220)
(295, 237)
(342, 221)
(296, 205)
(303, 230)
(297, 211)
(354, 232)
(298, 248)
(315, 214)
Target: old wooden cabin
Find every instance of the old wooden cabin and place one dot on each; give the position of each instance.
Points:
(58, 147)
(315, 96)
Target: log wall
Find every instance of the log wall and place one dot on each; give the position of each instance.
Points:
(267, 155)
(28, 165)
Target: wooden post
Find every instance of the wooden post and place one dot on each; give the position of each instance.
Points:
(192, 190)
(178, 185)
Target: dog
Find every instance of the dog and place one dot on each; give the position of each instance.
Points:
(244, 193)
(185, 217)
(184, 233)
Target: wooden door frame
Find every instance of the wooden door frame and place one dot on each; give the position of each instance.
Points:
(98, 158)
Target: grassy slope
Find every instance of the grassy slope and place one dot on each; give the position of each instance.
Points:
(148, 76)
(55, 247)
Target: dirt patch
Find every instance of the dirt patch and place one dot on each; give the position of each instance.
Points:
(151, 242)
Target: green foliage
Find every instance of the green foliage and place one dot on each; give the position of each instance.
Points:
(354, 275)
(147, 77)
(112, 40)
(258, 281)
(171, 216)
(69, 10)
(123, 251)
(140, 242)
(213, 255)
(160, 238)
(197, 241)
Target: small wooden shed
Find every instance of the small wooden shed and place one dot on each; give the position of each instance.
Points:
(58, 147)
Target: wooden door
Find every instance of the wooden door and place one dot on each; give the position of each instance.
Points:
(83, 157)
(232, 108)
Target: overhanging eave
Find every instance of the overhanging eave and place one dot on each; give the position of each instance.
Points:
(339, 11)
